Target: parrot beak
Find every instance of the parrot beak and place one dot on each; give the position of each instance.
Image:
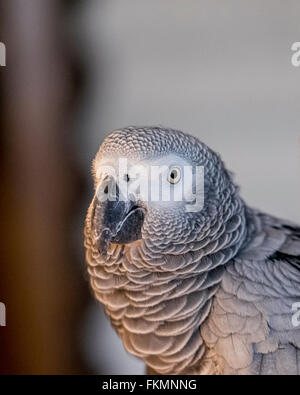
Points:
(115, 219)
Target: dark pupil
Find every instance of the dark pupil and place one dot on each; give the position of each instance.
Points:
(173, 174)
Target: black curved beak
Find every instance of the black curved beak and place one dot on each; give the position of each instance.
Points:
(115, 219)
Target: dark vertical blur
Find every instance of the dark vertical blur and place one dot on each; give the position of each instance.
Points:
(41, 271)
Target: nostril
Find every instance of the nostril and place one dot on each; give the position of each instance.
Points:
(106, 189)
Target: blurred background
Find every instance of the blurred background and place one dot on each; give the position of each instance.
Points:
(79, 69)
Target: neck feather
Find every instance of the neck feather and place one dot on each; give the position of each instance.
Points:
(157, 300)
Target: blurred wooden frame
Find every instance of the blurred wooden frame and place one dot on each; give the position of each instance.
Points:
(41, 282)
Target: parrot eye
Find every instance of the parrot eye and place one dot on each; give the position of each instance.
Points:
(174, 175)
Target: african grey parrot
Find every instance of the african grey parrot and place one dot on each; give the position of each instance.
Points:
(214, 291)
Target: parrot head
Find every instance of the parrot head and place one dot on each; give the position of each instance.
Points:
(156, 184)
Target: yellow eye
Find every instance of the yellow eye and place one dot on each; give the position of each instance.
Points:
(174, 175)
